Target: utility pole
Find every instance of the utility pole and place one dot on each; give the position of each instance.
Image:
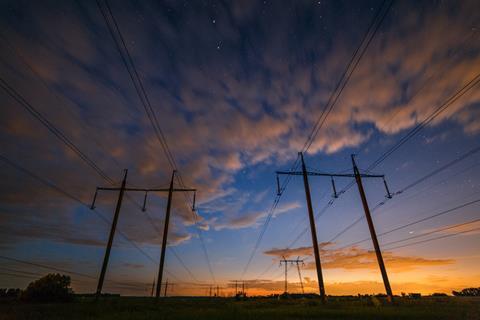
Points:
(371, 227)
(236, 283)
(153, 287)
(165, 235)
(111, 236)
(313, 229)
(122, 190)
(304, 173)
(285, 263)
(300, 276)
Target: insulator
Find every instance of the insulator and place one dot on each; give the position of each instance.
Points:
(144, 208)
(278, 186)
(389, 195)
(335, 195)
(194, 197)
(94, 199)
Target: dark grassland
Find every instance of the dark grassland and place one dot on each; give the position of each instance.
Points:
(202, 308)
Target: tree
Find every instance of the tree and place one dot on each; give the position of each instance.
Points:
(467, 292)
(50, 288)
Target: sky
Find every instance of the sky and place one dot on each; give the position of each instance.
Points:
(236, 87)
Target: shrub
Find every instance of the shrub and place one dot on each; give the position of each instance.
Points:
(50, 288)
(468, 292)
(9, 293)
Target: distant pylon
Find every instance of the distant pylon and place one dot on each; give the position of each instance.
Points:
(286, 262)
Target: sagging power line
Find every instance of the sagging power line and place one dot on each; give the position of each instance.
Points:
(353, 63)
(120, 45)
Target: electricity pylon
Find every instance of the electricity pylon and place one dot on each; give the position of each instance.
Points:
(153, 287)
(237, 282)
(300, 276)
(373, 234)
(166, 287)
(358, 178)
(286, 262)
(121, 193)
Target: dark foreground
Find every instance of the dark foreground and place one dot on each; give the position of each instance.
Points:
(197, 308)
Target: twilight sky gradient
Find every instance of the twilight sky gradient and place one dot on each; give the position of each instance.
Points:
(237, 87)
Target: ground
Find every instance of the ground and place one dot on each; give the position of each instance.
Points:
(203, 308)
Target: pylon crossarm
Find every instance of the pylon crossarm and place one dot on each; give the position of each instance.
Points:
(324, 174)
(144, 207)
(335, 195)
(389, 195)
(278, 186)
(148, 189)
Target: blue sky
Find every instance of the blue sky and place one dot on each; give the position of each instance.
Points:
(237, 88)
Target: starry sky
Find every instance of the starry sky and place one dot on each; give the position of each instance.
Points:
(236, 87)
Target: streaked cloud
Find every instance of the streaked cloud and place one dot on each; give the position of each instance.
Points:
(352, 258)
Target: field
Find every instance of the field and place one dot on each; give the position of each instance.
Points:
(202, 308)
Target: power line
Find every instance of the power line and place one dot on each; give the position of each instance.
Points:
(276, 201)
(440, 169)
(446, 104)
(48, 267)
(134, 76)
(462, 91)
(39, 265)
(433, 231)
(59, 97)
(331, 102)
(172, 249)
(433, 239)
(441, 213)
(409, 186)
(144, 99)
(351, 67)
(72, 197)
(52, 128)
(429, 78)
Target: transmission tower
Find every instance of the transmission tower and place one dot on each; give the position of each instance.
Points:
(358, 177)
(292, 262)
(167, 285)
(122, 190)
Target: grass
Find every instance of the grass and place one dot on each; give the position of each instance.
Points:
(202, 308)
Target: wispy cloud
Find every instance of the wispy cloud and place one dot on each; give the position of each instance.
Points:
(357, 258)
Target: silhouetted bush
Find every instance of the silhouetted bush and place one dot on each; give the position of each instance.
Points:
(439, 294)
(10, 293)
(50, 288)
(468, 292)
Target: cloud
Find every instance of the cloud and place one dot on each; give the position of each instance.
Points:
(254, 101)
(249, 219)
(353, 258)
(133, 265)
